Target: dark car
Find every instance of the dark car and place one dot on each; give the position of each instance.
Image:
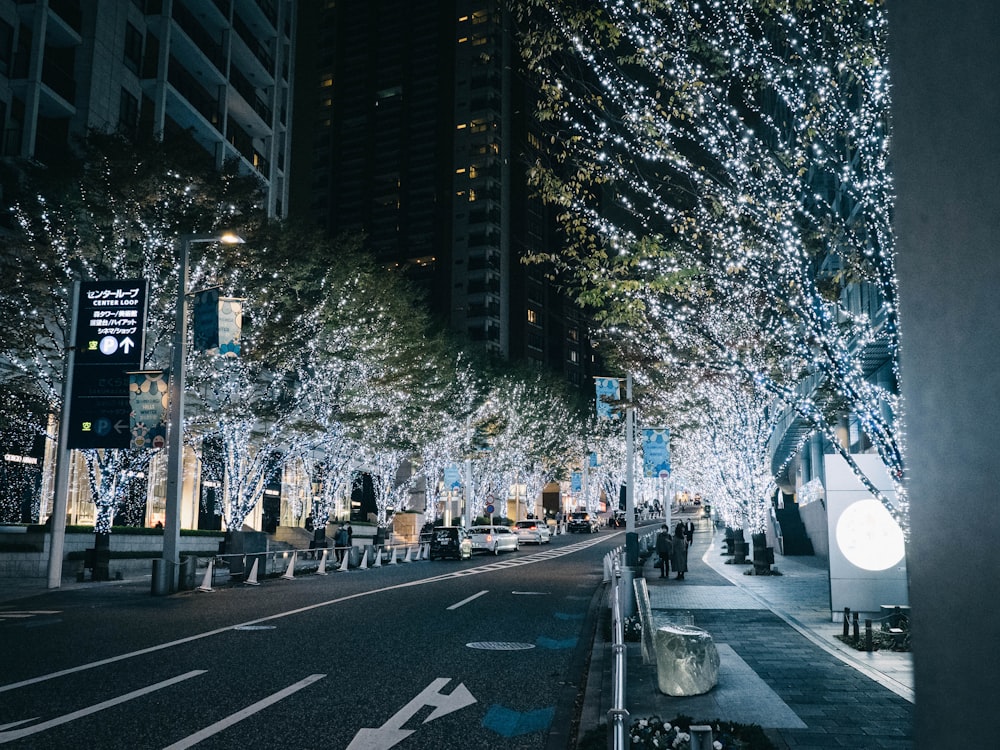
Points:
(582, 521)
(450, 541)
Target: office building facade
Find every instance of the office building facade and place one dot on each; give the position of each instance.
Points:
(419, 132)
(222, 70)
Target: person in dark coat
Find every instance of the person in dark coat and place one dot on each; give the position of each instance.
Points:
(689, 531)
(679, 556)
(664, 549)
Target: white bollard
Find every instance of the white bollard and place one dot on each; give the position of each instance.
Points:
(364, 560)
(321, 570)
(392, 560)
(290, 570)
(378, 558)
(206, 584)
(346, 561)
(252, 578)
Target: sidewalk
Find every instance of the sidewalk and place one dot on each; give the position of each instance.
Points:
(12, 589)
(782, 666)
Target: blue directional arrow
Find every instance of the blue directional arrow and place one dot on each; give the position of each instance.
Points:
(568, 616)
(509, 723)
(553, 644)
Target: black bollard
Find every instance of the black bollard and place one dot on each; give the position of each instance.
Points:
(847, 619)
(857, 634)
(868, 635)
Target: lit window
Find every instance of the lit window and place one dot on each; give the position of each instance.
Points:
(472, 196)
(532, 316)
(326, 82)
(573, 356)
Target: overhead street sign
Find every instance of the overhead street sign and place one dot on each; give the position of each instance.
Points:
(109, 337)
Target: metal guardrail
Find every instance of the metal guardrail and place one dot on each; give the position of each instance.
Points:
(617, 714)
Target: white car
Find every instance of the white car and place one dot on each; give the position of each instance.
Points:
(493, 539)
(533, 532)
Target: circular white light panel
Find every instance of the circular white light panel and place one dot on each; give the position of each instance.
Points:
(869, 537)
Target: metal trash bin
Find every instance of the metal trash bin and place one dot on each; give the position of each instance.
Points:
(187, 573)
(161, 577)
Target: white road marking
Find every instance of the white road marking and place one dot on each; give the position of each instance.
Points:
(535, 558)
(456, 605)
(250, 710)
(27, 731)
(392, 732)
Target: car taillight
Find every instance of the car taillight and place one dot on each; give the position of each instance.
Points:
(489, 537)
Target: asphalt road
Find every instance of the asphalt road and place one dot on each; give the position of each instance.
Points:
(486, 653)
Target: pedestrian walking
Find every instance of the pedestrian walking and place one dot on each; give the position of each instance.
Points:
(664, 549)
(340, 542)
(689, 531)
(679, 555)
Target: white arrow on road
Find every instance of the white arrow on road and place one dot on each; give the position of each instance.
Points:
(392, 732)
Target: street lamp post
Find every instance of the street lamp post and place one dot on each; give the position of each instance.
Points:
(175, 416)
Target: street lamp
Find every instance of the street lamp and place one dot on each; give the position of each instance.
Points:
(175, 417)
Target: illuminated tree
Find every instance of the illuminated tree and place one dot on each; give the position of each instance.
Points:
(449, 443)
(711, 152)
(116, 212)
(720, 444)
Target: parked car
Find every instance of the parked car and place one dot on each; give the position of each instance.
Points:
(532, 531)
(450, 541)
(583, 522)
(493, 539)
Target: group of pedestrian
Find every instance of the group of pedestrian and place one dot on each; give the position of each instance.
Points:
(672, 550)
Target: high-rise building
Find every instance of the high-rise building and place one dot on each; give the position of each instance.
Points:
(219, 69)
(416, 130)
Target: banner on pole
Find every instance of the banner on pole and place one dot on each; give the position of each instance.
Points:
(607, 390)
(452, 477)
(576, 481)
(656, 452)
(218, 322)
(148, 399)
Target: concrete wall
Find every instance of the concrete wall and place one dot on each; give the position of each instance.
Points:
(36, 564)
(813, 516)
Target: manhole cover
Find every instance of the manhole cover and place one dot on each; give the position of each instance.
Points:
(254, 627)
(500, 646)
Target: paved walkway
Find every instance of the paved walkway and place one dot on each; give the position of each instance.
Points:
(782, 666)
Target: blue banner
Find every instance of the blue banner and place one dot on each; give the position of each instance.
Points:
(230, 326)
(607, 390)
(656, 452)
(217, 323)
(576, 481)
(148, 400)
(205, 319)
(452, 477)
